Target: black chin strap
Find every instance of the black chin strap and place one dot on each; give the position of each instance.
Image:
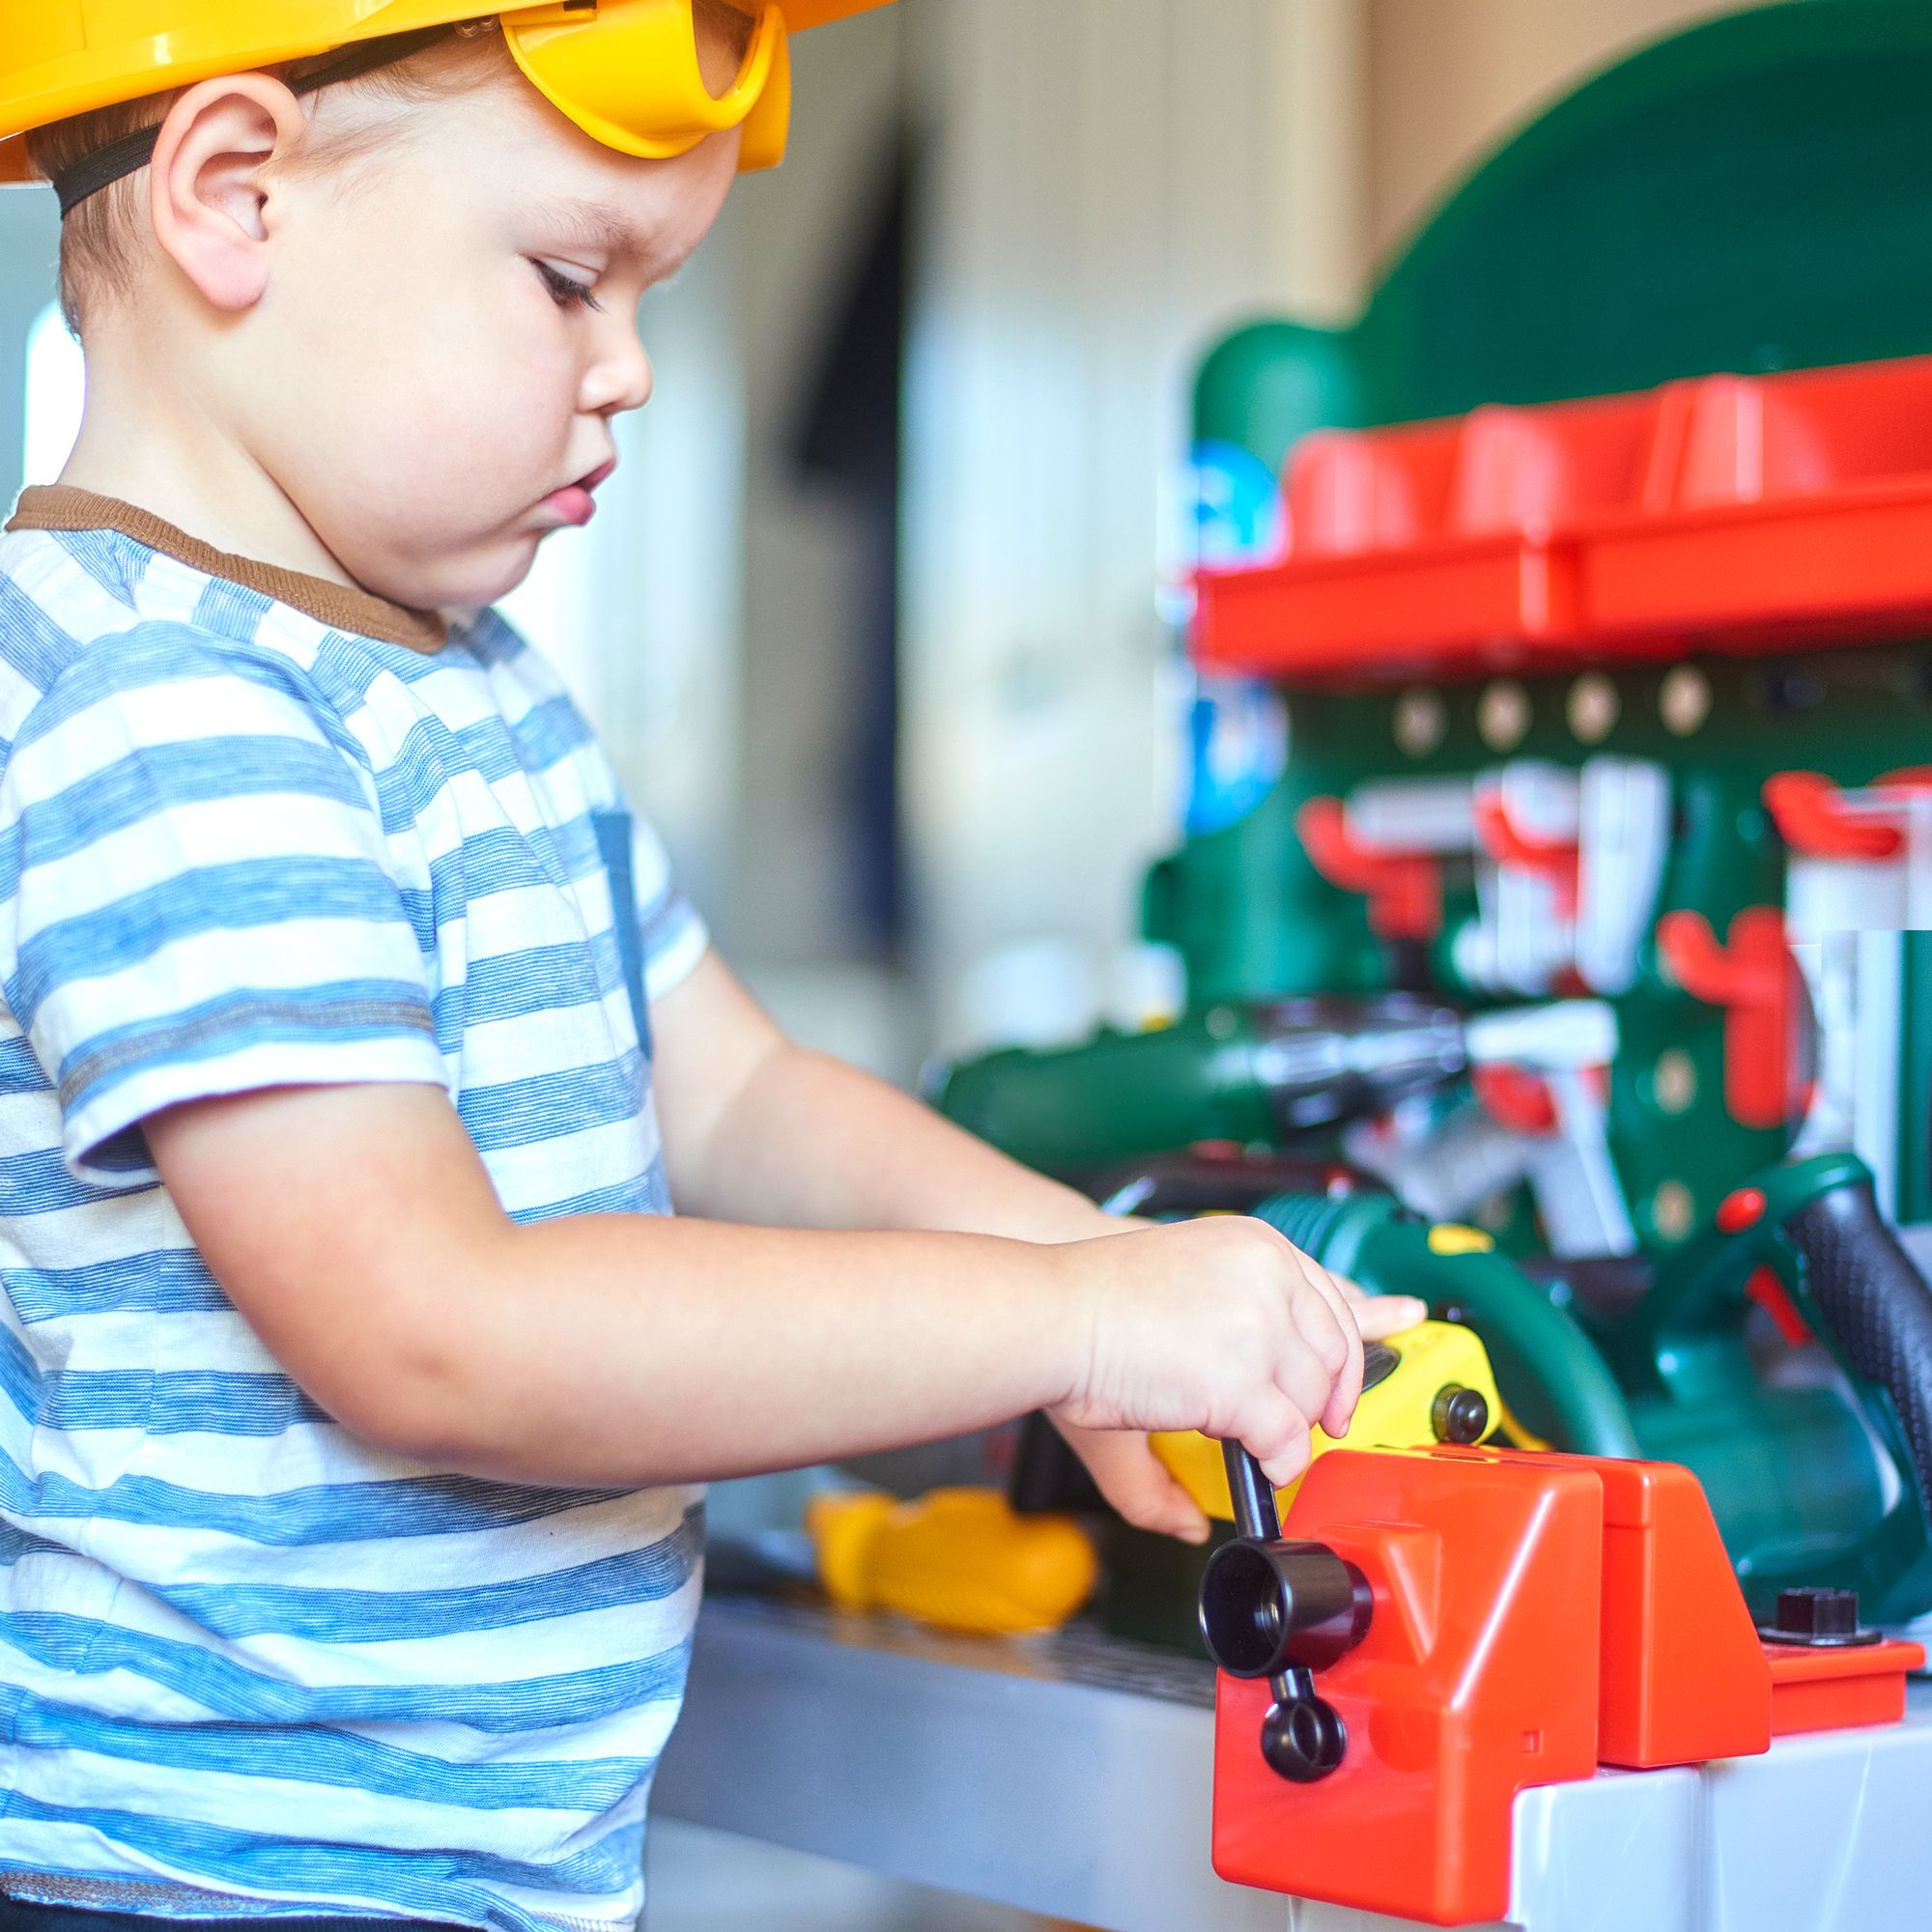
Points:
(106, 166)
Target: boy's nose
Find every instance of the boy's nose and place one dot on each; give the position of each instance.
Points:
(619, 379)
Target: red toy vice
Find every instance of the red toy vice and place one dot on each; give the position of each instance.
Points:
(1442, 1630)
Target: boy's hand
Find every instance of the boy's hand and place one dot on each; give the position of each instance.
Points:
(1220, 1325)
(1135, 1481)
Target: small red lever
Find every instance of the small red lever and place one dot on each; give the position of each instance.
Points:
(1404, 889)
(1755, 980)
(1809, 812)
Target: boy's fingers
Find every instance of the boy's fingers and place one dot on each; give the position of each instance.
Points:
(1345, 1386)
(1381, 1315)
(1280, 1442)
(1137, 1483)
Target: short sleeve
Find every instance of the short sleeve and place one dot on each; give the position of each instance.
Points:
(672, 934)
(196, 895)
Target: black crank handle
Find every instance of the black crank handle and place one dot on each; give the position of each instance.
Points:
(1875, 1305)
(1255, 1512)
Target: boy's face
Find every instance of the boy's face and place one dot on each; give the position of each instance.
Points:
(449, 326)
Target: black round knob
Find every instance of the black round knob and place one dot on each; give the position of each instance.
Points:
(1266, 1607)
(1303, 1738)
(1459, 1415)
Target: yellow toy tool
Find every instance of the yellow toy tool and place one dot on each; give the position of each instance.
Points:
(625, 71)
(957, 1559)
(1428, 1385)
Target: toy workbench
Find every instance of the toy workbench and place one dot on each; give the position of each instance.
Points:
(1555, 908)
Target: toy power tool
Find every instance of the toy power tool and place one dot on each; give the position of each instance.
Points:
(1816, 1475)
(1432, 1384)
(1576, 659)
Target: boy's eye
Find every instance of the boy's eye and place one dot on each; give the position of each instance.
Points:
(565, 291)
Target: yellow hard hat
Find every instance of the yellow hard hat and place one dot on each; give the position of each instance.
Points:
(624, 70)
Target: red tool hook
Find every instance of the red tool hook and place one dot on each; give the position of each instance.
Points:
(1756, 981)
(1404, 889)
(1811, 817)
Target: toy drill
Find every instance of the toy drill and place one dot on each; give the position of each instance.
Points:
(1563, 676)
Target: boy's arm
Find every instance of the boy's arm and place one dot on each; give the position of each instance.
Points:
(759, 1129)
(358, 1231)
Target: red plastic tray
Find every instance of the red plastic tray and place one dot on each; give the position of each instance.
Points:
(1730, 513)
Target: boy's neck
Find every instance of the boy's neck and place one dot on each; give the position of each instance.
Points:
(152, 444)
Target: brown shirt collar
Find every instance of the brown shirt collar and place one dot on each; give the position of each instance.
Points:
(61, 507)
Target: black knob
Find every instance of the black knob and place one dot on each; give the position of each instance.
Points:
(1303, 1738)
(1824, 1619)
(1269, 1606)
(1459, 1415)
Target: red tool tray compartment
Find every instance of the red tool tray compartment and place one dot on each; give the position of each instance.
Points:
(1729, 513)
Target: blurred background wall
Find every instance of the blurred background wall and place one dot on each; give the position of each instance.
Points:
(872, 619)
(1094, 189)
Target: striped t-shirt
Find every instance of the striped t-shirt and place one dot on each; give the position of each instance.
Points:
(259, 830)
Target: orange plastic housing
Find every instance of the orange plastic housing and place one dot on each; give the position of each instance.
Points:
(1684, 1677)
(1535, 1616)
(1833, 1689)
(1728, 513)
(1477, 1680)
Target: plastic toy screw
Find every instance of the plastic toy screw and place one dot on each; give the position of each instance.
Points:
(1459, 1415)
(1303, 1738)
(1820, 1618)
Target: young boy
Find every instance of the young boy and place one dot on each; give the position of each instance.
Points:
(356, 1043)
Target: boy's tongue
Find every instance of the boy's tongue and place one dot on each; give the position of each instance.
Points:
(573, 505)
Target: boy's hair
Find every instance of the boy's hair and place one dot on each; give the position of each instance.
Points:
(99, 239)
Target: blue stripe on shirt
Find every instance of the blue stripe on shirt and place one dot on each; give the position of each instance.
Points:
(132, 788)
(349, 1012)
(401, 1507)
(30, 640)
(149, 655)
(221, 1684)
(168, 1402)
(114, 566)
(21, 1069)
(518, 1113)
(161, 1281)
(214, 1856)
(235, 897)
(40, 1183)
(238, 1610)
(324, 1757)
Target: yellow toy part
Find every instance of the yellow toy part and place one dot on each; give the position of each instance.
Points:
(955, 1559)
(1427, 1394)
(625, 71)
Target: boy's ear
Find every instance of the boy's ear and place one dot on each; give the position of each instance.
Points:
(209, 188)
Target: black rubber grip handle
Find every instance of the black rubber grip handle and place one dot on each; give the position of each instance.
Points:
(1876, 1305)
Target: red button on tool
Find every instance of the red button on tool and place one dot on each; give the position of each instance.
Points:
(1740, 1210)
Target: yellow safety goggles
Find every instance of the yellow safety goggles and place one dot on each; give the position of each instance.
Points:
(629, 76)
